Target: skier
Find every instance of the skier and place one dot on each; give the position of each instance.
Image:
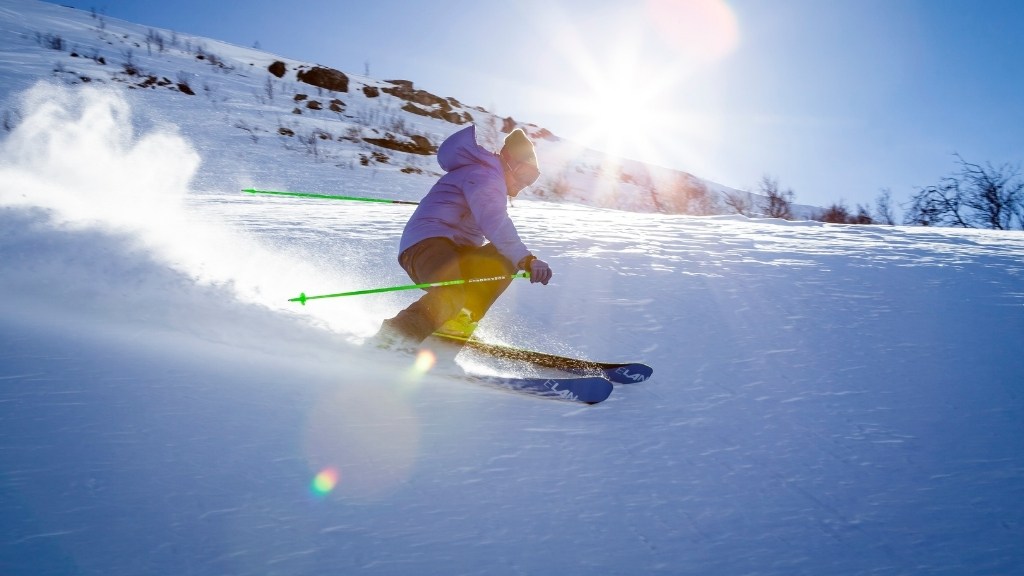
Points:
(444, 238)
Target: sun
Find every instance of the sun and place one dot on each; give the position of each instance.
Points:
(621, 105)
(628, 75)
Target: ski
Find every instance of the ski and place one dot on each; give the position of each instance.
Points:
(617, 372)
(586, 389)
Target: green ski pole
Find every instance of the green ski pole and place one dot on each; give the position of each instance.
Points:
(329, 196)
(302, 298)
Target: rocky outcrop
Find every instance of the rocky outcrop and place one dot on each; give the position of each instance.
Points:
(424, 103)
(327, 78)
(414, 145)
(277, 68)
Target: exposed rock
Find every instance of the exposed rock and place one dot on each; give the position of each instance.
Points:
(277, 68)
(404, 89)
(327, 78)
(415, 145)
(424, 103)
(410, 107)
(534, 132)
(446, 115)
(371, 91)
(544, 134)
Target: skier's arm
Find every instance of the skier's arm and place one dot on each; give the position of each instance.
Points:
(486, 198)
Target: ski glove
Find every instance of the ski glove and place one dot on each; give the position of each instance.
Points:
(539, 271)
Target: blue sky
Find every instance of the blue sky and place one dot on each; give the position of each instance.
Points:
(835, 99)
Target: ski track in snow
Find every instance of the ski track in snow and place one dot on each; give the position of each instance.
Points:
(826, 399)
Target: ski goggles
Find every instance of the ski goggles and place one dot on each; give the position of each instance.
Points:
(524, 173)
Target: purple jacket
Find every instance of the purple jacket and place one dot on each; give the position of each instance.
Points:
(468, 204)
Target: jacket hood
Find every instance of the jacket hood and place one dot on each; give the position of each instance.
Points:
(461, 149)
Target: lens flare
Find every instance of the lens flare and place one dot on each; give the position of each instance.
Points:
(703, 31)
(362, 441)
(425, 360)
(325, 481)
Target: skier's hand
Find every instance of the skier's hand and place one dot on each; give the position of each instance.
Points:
(540, 272)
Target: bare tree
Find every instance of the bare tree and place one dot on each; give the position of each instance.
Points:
(685, 194)
(837, 213)
(268, 87)
(974, 197)
(863, 216)
(936, 206)
(154, 37)
(739, 202)
(129, 62)
(778, 204)
(699, 201)
(883, 208)
(994, 194)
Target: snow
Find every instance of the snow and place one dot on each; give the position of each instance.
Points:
(826, 399)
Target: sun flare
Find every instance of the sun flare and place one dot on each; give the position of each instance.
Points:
(628, 77)
(621, 108)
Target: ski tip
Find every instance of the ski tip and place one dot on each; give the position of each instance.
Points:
(584, 389)
(588, 389)
(594, 391)
(631, 373)
(301, 298)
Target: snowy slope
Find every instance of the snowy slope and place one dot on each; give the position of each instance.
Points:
(235, 105)
(826, 399)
